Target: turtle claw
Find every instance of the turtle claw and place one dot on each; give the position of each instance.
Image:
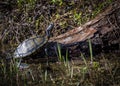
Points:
(23, 66)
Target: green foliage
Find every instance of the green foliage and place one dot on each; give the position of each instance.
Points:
(19, 2)
(60, 56)
(59, 2)
(99, 7)
(22, 3)
(59, 53)
(78, 18)
(90, 49)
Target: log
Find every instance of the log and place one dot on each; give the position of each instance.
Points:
(106, 25)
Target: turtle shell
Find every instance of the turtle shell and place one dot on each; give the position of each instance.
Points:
(29, 46)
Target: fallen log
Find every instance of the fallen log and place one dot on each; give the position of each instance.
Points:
(103, 31)
(106, 26)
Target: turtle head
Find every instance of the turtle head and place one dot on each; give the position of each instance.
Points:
(48, 30)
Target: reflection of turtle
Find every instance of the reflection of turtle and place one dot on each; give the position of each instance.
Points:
(29, 46)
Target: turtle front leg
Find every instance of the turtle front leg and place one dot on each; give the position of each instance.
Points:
(22, 65)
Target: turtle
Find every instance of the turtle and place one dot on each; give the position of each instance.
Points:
(30, 45)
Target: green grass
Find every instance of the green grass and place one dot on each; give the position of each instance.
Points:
(82, 72)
